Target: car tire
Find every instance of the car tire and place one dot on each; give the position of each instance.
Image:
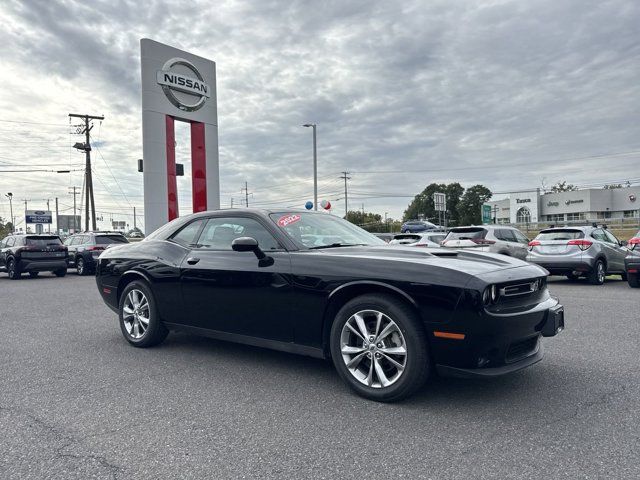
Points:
(633, 280)
(624, 276)
(13, 269)
(81, 266)
(33, 274)
(598, 274)
(138, 306)
(367, 365)
(60, 273)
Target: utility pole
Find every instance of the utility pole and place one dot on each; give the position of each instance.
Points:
(74, 193)
(87, 171)
(134, 218)
(25, 214)
(57, 219)
(346, 199)
(246, 194)
(231, 202)
(48, 225)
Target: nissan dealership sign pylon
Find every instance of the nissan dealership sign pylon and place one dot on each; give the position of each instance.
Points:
(177, 86)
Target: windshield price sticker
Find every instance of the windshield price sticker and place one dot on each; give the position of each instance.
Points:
(288, 220)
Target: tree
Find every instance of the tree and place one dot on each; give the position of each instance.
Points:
(563, 186)
(422, 205)
(470, 205)
(364, 219)
(5, 228)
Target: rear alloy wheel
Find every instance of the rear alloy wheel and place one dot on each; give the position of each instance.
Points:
(13, 270)
(139, 319)
(33, 274)
(80, 266)
(598, 274)
(379, 348)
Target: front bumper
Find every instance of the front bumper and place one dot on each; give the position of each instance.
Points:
(496, 342)
(490, 372)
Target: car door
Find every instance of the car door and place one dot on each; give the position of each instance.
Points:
(608, 249)
(618, 252)
(234, 292)
(522, 245)
(3, 244)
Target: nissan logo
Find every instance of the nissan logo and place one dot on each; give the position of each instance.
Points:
(172, 81)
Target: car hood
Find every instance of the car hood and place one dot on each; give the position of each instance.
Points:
(469, 262)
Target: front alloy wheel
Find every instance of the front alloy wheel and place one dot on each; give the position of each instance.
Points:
(373, 348)
(379, 347)
(80, 267)
(139, 317)
(136, 314)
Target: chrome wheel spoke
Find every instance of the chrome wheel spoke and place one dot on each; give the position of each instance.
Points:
(355, 332)
(394, 351)
(361, 325)
(370, 376)
(391, 327)
(384, 381)
(378, 323)
(144, 321)
(355, 361)
(396, 364)
(347, 350)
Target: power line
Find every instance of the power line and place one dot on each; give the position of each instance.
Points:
(34, 123)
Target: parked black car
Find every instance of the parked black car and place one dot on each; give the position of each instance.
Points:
(387, 316)
(85, 248)
(32, 254)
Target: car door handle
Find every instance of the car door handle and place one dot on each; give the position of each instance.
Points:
(192, 260)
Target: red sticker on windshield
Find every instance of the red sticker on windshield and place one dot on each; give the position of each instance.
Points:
(288, 219)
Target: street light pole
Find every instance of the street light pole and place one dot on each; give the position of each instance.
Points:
(10, 197)
(315, 166)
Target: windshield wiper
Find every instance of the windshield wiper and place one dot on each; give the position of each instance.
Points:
(335, 245)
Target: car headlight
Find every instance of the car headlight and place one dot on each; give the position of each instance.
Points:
(490, 295)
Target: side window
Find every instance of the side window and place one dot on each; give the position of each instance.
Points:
(11, 241)
(218, 233)
(68, 241)
(520, 238)
(187, 236)
(505, 235)
(598, 234)
(3, 243)
(77, 240)
(611, 238)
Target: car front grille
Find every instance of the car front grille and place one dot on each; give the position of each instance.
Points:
(523, 348)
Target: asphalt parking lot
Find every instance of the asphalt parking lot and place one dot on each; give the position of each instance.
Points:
(76, 401)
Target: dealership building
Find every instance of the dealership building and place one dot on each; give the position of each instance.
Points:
(589, 205)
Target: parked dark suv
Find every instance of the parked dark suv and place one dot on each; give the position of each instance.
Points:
(85, 248)
(33, 254)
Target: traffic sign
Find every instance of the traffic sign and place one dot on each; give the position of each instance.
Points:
(440, 202)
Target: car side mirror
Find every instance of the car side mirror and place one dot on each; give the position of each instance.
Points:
(250, 244)
(623, 243)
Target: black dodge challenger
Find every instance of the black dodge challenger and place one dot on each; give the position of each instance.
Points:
(314, 284)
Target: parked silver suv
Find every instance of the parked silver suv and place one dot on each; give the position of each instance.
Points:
(591, 252)
(489, 238)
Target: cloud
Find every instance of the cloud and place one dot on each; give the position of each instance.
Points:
(478, 92)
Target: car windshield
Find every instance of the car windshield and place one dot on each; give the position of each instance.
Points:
(565, 234)
(109, 239)
(466, 233)
(43, 241)
(317, 230)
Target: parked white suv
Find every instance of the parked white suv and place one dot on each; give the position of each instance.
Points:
(489, 238)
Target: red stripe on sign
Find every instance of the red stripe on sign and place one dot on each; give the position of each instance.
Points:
(198, 167)
(172, 184)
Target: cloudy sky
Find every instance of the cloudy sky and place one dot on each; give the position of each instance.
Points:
(511, 94)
